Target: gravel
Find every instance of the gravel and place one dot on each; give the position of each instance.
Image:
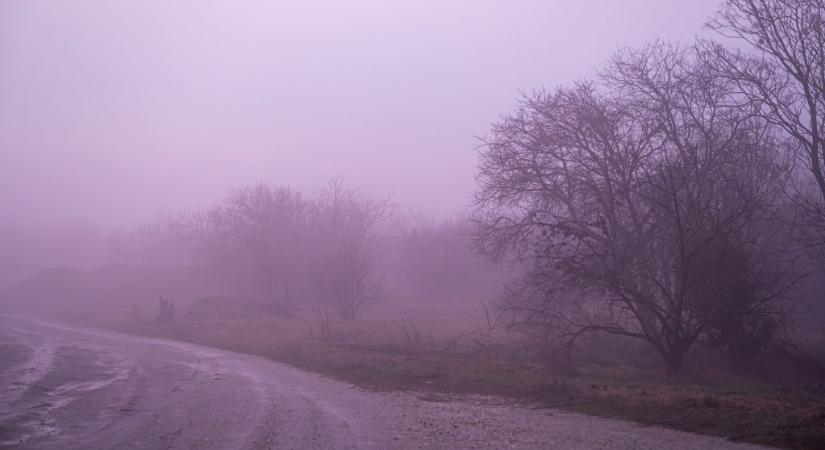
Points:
(76, 388)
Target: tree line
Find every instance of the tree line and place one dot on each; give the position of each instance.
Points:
(339, 249)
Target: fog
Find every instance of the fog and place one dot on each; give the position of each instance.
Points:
(114, 114)
(451, 209)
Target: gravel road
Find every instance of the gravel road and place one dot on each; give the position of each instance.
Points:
(73, 388)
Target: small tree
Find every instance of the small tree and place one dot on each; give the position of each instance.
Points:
(345, 224)
(166, 312)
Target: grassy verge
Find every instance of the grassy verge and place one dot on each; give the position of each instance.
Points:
(789, 417)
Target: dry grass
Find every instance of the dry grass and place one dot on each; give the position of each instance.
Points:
(381, 352)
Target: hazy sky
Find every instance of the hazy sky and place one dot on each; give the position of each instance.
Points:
(120, 111)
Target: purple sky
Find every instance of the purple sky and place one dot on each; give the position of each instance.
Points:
(118, 112)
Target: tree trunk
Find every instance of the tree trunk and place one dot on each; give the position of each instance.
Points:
(673, 362)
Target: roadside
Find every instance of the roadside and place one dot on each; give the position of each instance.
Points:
(782, 416)
(96, 389)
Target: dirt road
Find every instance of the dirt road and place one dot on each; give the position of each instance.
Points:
(73, 388)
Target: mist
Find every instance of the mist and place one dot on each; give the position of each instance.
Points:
(116, 114)
(610, 208)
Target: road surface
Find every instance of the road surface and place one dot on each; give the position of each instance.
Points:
(73, 388)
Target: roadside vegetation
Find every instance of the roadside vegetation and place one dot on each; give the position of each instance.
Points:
(428, 356)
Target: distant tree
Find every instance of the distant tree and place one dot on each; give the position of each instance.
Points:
(206, 236)
(150, 244)
(436, 257)
(256, 237)
(615, 195)
(345, 224)
(269, 226)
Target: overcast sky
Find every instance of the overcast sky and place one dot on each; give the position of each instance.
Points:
(115, 112)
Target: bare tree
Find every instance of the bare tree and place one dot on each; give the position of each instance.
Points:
(780, 73)
(346, 223)
(618, 195)
(206, 237)
(269, 225)
(256, 237)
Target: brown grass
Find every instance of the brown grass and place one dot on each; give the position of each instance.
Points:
(378, 353)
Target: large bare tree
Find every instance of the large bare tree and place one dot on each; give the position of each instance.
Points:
(625, 198)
